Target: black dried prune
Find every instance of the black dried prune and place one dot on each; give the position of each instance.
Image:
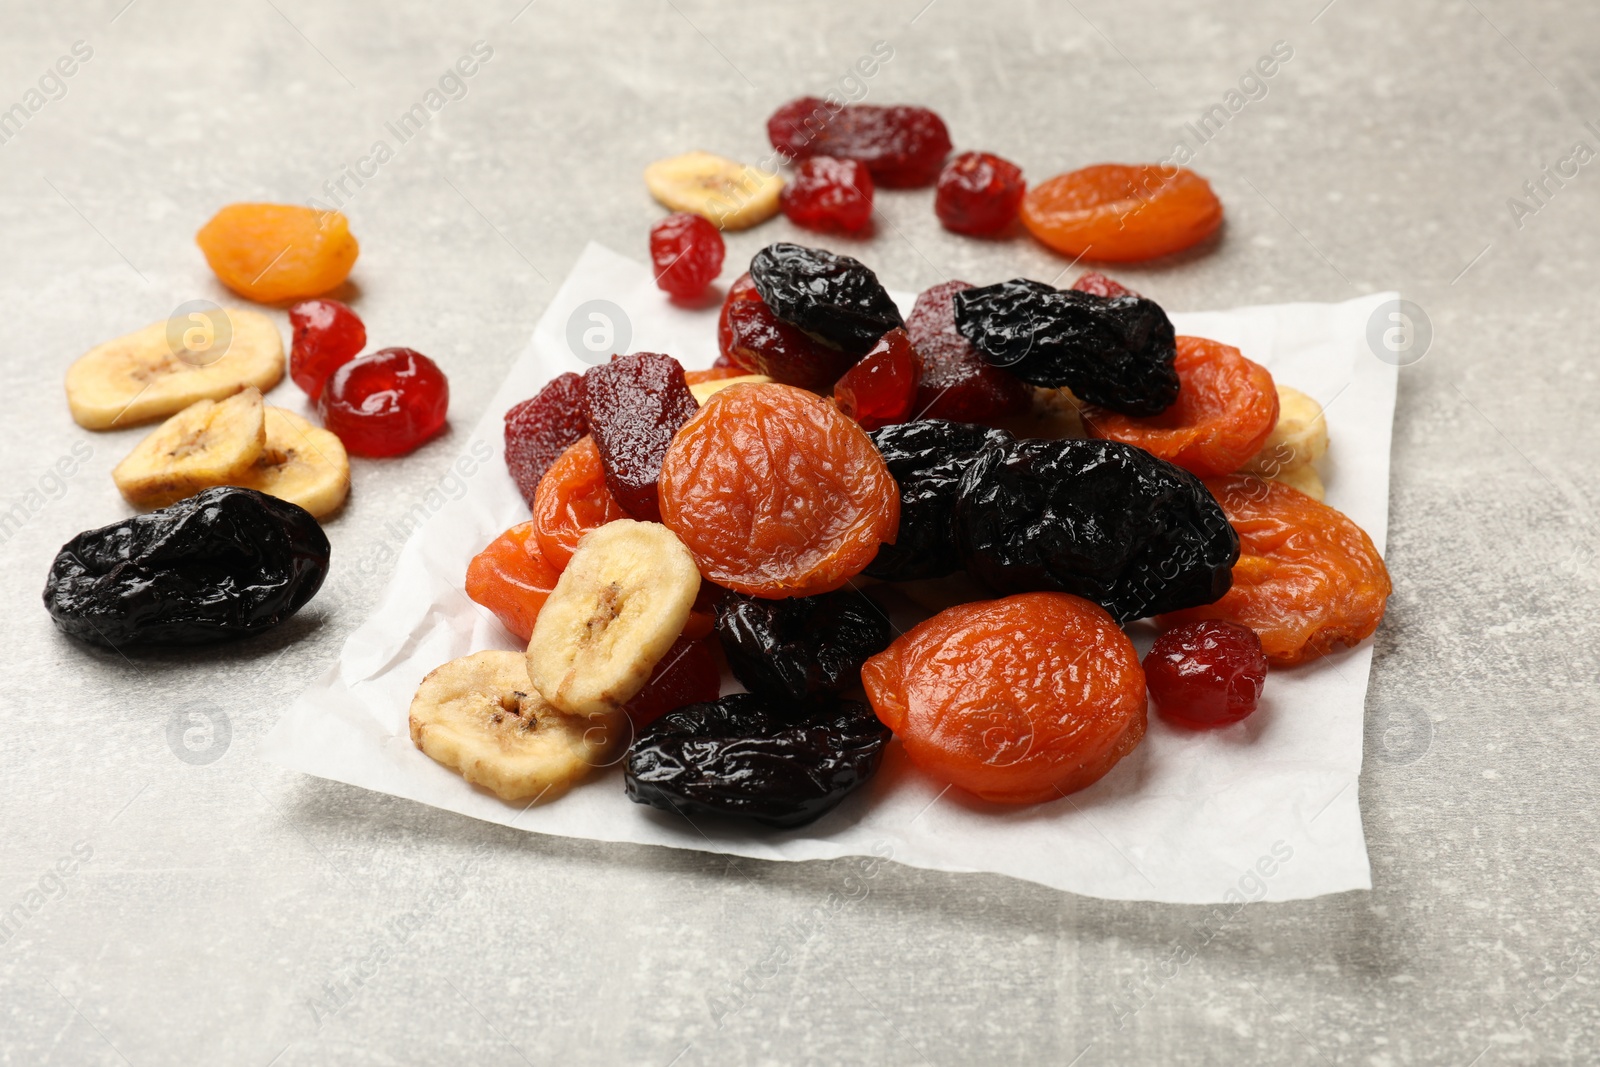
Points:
(927, 458)
(801, 648)
(745, 756)
(224, 563)
(1104, 520)
(833, 298)
(1117, 352)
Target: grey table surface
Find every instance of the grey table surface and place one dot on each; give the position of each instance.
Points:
(232, 912)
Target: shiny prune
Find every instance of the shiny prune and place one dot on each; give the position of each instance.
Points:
(802, 648)
(927, 458)
(903, 146)
(1103, 520)
(955, 382)
(224, 563)
(542, 427)
(747, 757)
(633, 405)
(834, 298)
(1117, 352)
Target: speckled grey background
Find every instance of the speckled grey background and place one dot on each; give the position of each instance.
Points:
(232, 912)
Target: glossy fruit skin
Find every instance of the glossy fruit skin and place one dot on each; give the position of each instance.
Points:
(1115, 213)
(762, 344)
(881, 388)
(687, 674)
(1094, 282)
(271, 253)
(741, 289)
(801, 649)
(1102, 520)
(1117, 353)
(955, 382)
(834, 298)
(542, 427)
(686, 252)
(746, 757)
(512, 578)
(1017, 701)
(571, 500)
(902, 146)
(927, 459)
(1204, 674)
(327, 335)
(978, 194)
(829, 194)
(224, 563)
(633, 405)
(1224, 413)
(776, 493)
(1308, 580)
(386, 404)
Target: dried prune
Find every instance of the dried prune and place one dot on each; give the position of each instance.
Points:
(881, 388)
(385, 404)
(1206, 673)
(633, 405)
(224, 563)
(903, 146)
(744, 756)
(1115, 352)
(978, 193)
(803, 648)
(829, 194)
(763, 344)
(927, 459)
(955, 382)
(542, 427)
(1117, 213)
(686, 252)
(834, 298)
(1104, 520)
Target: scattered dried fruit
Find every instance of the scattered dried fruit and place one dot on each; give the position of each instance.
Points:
(542, 427)
(978, 194)
(633, 405)
(833, 298)
(687, 253)
(902, 146)
(512, 578)
(1206, 673)
(804, 648)
(882, 387)
(386, 404)
(571, 500)
(275, 252)
(732, 195)
(829, 194)
(955, 381)
(327, 335)
(1122, 214)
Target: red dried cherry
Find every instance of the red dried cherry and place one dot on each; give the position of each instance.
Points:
(881, 388)
(634, 404)
(687, 251)
(327, 335)
(1098, 284)
(902, 146)
(761, 343)
(687, 674)
(978, 193)
(542, 427)
(955, 381)
(829, 194)
(741, 289)
(1206, 673)
(385, 404)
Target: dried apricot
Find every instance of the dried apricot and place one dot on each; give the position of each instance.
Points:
(275, 252)
(1308, 579)
(1019, 700)
(512, 578)
(571, 500)
(1226, 409)
(1117, 213)
(776, 493)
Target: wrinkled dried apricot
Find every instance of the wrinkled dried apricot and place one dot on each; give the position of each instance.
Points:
(776, 493)
(571, 500)
(512, 579)
(1117, 213)
(1308, 579)
(275, 252)
(1226, 408)
(1019, 700)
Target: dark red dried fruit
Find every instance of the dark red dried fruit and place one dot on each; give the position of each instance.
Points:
(1098, 284)
(829, 194)
(1206, 673)
(881, 388)
(327, 335)
(634, 404)
(741, 289)
(955, 381)
(542, 427)
(687, 674)
(978, 193)
(687, 252)
(387, 403)
(902, 146)
(761, 343)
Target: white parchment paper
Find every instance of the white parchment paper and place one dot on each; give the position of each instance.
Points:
(1265, 809)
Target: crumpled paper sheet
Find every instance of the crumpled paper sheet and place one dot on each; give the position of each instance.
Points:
(1266, 809)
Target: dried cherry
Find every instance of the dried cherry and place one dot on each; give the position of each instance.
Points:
(834, 298)
(386, 404)
(327, 335)
(687, 674)
(1207, 673)
(903, 146)
(571, 500)
(1094, 282)
(803, 648)
(881, 388)
(978, 194)
(687, 252)
(542, 427)
(829, 194)
(1121, 214)
(741, 289)
(758, 342)
(633, 405)
(954, 381)
(512, 578)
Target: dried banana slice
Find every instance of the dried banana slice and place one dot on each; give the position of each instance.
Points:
(615, 611)
(735, 196)
(1053, 415)
(301, 463)
(704, 391)
(479, 716)
(1304, 478)
(207, 443)
(1299, 438)
(154, 372)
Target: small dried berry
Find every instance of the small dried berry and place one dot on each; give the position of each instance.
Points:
(1094, 282)
(760, 343)
(327, 335)
(955, 382)
(902, 146)
(829, 194)
(386, 404)
(1116, 213)
(1206, 673)
(833, 298)
(978, 194)
(687, 252)
(542, 427)
(633, 405)
(881, 388)
(802, 648)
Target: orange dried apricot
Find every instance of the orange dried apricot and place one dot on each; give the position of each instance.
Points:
(1225, 411)
(512, 579)
(1019, 700)
(1116, 213)
(276, 252)
(776, 493)
(1308, 579)
(571, 500)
